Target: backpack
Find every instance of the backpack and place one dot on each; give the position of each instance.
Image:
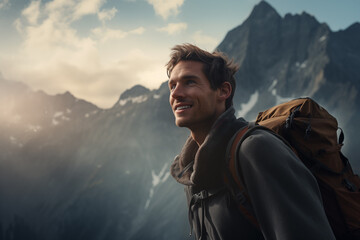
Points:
(311, 132)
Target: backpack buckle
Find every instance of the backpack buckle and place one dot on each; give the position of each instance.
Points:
(200, 196)
(203, 194)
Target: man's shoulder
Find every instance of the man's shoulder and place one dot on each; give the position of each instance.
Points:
(263, 141)
(263, 152)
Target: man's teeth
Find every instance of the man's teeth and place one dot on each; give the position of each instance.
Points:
(182, 107)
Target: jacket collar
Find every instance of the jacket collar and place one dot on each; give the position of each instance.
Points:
(209, 158)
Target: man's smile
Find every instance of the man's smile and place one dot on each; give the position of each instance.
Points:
(180, 107)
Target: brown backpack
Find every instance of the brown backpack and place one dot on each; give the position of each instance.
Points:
(312, 133)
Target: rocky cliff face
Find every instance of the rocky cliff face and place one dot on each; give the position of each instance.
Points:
(295, 56)
(278, 56)
(70, 170)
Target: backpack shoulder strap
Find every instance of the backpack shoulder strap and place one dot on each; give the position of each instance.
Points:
(234, 146)
(234, 176)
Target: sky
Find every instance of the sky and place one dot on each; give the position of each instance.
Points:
(96, 49)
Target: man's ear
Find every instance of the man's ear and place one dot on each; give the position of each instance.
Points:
(224, 91)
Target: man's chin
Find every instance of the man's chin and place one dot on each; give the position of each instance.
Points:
(180, 123)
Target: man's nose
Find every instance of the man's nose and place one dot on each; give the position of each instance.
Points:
(177, 92)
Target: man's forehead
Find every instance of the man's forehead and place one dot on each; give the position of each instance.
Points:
(187, 69)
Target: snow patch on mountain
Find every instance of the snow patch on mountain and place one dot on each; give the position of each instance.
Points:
(138, 99)
(156, 180)
(301, 65)
(273, 85)
(280, 99)
(59, 116)
(246, 107)
(87, 115)
(322, 38)
(119, 114)
(161, 177)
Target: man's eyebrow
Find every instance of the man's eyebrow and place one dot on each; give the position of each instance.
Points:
(185, 77)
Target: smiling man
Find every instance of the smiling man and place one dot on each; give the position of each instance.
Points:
(284, 196)
(195, 104)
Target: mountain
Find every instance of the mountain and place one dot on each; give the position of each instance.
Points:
(71, 170)
(26, 115)
(85, 172)
(294, 56)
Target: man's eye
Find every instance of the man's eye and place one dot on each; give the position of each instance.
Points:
(190, 82)
(172, 87)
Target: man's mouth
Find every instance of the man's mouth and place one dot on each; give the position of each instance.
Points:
(183, 107)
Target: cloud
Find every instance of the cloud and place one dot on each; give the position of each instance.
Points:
(173, 28)
(86, 7)
(105, 34)
(18, 25)
(138, 31)
(148, 69)
(165, 8)
(60, 10)
(4, 3)
(54, 57)
(107, 14)
(205, 41)
(71, 10)
(55, 30)
(32, 12)
(87, 77)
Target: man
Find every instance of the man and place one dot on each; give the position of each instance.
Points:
(285, 198)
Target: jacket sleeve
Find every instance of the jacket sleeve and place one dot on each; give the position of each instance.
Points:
(284, 194)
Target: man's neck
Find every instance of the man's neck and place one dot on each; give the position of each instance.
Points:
(200, 133)
(199, 137)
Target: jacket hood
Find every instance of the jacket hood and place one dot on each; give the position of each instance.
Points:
(209, 158)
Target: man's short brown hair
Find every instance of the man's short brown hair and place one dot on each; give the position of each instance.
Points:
(217, 67)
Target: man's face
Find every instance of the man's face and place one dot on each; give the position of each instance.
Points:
(195, 105)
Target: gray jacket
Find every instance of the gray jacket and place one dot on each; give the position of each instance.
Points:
(284, 195)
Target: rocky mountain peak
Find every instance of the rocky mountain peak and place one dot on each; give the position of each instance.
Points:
(66, 95)
(263, 11)
(135, 91)
(354, 29)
